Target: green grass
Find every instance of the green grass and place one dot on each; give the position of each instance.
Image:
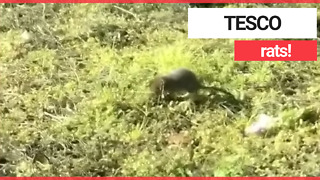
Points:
(74, 100)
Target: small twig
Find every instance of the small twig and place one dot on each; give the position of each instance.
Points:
(226, 108)
(53, 116)
(43, 10)
(128, 12)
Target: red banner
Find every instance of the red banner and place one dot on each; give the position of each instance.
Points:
(275, 50)
(161, 178)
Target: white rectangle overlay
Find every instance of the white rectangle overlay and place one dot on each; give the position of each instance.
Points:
(296, 23)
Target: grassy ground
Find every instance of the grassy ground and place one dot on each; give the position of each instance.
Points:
(74, 98)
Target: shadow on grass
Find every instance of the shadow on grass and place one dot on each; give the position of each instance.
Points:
(202, 102)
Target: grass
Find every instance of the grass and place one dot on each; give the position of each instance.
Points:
(74, 97)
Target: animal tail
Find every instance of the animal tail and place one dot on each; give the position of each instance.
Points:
(217, 89)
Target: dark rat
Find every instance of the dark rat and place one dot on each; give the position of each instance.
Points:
(179, 80)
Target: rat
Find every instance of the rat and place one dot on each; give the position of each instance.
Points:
(179, 80)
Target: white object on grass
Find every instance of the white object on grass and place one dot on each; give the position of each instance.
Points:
(26, 36)
(263, 123)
